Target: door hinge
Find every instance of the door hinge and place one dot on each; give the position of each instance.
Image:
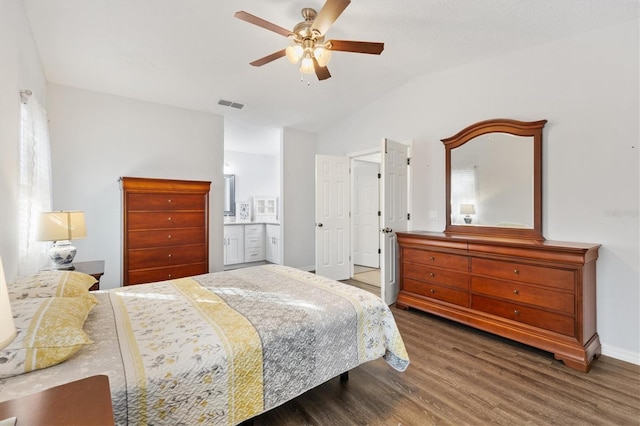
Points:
(408, 161)
(379, 251)
(408, 216)
(379, 213)
(379, 176)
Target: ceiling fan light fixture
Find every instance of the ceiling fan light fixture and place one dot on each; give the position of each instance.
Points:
(294, 53)
(322, 55)
(306, 67)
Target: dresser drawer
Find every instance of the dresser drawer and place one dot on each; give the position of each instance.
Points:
(518, 292)
(254, 254)
(435, 258)
(551, 277)
(166, 273)
(166, 220)
(434, 291)
(563, 324)
(165, 201)
(435, 275)
(160, 257)
(165, 237)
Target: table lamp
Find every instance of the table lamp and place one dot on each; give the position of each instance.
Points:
(467, 209)
(61, 227)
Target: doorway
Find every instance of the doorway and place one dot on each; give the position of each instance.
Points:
(365, 219)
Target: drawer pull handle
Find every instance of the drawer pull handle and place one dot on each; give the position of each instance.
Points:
(169, 275)
(516, 312)
(169, 218)
(169, 236)
(169, 200)
(169, 254)
(431, 258)
(516, 291)
(432, 291)
(431, 274)
(515, 271)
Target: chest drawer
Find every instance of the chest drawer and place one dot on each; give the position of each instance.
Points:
(518, 292)
(159, 220)
(435, 258)
(165, 273)
(563, 324)
(435, 291)
(255, 229)
(254, 254)
(165, 237)
(435, 275)
(159, 257)
(550, 277)
(165, 201)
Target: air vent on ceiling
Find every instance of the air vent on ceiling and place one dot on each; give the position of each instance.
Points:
(230, 104)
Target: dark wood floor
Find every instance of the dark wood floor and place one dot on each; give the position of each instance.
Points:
(462, 376)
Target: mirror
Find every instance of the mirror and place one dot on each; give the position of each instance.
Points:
(229, 195)
(494, 179)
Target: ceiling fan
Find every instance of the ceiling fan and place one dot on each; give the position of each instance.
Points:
(308, 44)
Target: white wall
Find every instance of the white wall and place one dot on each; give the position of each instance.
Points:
(97, 138)
(297, 227)
(20, 69)
(588, 88)
(256, 174)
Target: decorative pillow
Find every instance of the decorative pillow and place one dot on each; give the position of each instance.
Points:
(52, 284)
(48, 331)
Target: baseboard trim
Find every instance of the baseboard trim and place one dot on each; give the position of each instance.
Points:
(621, 354)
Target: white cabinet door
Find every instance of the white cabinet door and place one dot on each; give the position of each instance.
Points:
(273, 244)
(233, 244)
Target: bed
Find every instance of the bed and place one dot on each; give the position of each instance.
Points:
(221, 348)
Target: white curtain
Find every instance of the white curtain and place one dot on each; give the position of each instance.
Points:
(463, 190)
(34, 190)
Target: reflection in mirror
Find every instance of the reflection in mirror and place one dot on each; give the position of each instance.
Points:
(229, 195)
(492, 181)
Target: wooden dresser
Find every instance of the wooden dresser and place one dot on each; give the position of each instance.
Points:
(540, 293)
(165, 229)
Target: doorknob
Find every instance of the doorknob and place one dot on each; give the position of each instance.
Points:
(319, 225)
(387, 230)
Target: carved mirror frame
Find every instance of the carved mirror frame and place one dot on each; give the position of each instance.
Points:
(513, 127)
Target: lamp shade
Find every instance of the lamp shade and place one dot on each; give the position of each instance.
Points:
(7, 328)
(467, 209)
(62, 225)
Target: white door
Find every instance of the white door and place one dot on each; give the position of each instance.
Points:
(365, 219)
(394, 218)
(332, 217)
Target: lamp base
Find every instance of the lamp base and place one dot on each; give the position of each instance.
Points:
(62, 254)
(467, 219)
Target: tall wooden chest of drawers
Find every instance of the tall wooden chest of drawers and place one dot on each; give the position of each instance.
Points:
(541, 294)
(165, 229)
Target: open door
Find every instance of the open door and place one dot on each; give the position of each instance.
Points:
(394, 213)
(365, 221)
(333, 187)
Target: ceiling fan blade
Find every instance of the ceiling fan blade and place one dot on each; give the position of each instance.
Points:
(252, 19)
(328, 15)
(321, 72)
(275, 55)
(356, 46)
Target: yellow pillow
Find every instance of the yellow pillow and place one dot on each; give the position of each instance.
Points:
(52, 284)
(49, 331)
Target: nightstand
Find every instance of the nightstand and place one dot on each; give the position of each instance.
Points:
(84, 402)
(95, 268)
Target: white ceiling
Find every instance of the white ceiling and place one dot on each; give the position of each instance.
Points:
(192, 53)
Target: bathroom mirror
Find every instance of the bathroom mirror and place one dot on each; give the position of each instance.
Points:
(229, 195)
(494, 179)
